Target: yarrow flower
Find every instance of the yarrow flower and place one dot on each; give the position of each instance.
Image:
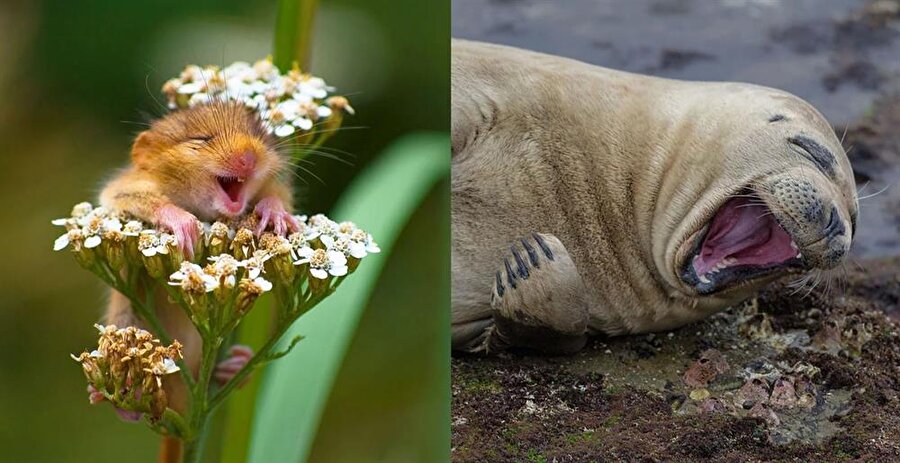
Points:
(192, 279)
(92, 224)
(223, 268)
(288, 103)
(322, 262)
(128, 367)
(232, 264)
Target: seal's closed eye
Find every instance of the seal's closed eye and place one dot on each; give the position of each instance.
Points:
(818, 154)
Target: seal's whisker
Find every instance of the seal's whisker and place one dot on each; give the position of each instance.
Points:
(874, 194)
(860, 190)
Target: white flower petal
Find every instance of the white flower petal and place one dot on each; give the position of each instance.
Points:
(169, 366)
(338, 270)
(92, 242)
(190, 87)
(263, 284)
(61, 242)
(337, 258)
(318, 273)
(284, 130)
(357, 249)
(303, 123)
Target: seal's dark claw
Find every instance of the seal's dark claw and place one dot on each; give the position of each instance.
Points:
(510, 276)
(543, 245)
(520, 263)
(532, 254)
(499, 285)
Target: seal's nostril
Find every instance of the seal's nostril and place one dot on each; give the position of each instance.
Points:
(835, 225)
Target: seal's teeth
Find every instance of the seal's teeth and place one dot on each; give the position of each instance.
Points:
(241, 179)
(721, 265)
(730, 261)
(703, 279)
(799, 255)
(794, 245)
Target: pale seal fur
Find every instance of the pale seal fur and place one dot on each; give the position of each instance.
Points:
(580, 196)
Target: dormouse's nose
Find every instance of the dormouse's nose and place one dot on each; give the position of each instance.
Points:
(245, 163)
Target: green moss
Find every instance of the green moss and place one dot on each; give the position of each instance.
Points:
(613, 389)
(482, 386)
(612, 420)
(586, 436)
(535, 456)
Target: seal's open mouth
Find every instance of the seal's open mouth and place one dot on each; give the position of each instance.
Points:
(743, 241)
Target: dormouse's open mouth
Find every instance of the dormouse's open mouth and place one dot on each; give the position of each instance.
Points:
(742, 242)
(232, 187)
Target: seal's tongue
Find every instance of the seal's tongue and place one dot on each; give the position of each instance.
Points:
(743, 232)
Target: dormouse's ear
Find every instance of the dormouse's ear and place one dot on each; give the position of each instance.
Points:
(145, 145)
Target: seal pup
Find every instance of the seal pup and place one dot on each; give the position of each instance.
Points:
(587, 200)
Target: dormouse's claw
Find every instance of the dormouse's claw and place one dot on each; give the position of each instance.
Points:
(182, 224)
(240, 350)
(271, 211)
(292, 223)
(238, 356)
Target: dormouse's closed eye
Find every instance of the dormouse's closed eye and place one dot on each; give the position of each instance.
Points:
(201, 138)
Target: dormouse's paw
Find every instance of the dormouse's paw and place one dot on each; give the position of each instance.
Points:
(238, 356)
(95, 397)
(271, 211)
(182, 224)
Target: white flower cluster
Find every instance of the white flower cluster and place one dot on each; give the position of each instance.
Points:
(340, 241)
(87, 226)
(287, 103)
(221, 273)
(325, 247)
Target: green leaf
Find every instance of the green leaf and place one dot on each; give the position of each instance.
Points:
(293, 33)
(240, 407)
(296, 388)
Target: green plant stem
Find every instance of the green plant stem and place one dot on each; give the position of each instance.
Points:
(257, 359)
(293, 33)
(265, 352)
(193, 445)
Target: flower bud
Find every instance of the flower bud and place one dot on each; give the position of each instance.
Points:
(218, 239)
(249, 291)
(243, 246)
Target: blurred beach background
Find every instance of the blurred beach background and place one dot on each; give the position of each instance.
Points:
(77, 80)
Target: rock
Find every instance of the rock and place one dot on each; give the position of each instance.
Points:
(783, 394)
(763, 411)
(710, 364)
(755, 391)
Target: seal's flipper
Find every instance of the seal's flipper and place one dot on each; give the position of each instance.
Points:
(538, 298)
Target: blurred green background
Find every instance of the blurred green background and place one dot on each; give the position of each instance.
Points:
(75, 79)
